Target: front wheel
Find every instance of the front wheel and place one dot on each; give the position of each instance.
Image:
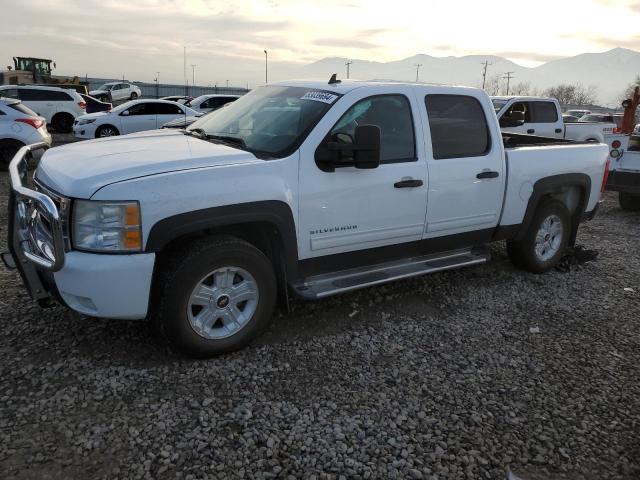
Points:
(134, 95)
(107, 131)
(629, 202)
(545, 241)
(215, 296)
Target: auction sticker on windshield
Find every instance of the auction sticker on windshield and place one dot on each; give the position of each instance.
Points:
(325, 97)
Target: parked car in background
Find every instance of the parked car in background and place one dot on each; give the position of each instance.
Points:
(178, 98)
(597, 118)
(209, 103)
(541, 116)
(577, 113)
(133, 116)
(569, 118)
(324, 189)
(59, 106)
(116, 91)
(636, 129)
(94, 105)
(19, 126)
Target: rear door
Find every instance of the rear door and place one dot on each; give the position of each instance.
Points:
(466, 164)
(545, 120)
(165, 112)
(40, 101)
(142, 116)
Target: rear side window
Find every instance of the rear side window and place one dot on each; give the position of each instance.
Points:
(458, 126)
(9, 93)
(167, 109)
(141, 109)
(544, 112)
(35, 95)
(392, 113)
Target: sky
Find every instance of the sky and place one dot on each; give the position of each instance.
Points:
(226, 39)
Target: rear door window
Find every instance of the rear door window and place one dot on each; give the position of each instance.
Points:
(9, 93)
(544, 112)
(167, 109)
(458, 126)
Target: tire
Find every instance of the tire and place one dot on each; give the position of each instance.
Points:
(8, 149)
(107, 131)
(545, 241)
(197, 311)
(62, 122)
(629, 202)
(133, 96)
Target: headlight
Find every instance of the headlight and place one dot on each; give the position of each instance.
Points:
(107, 226)
(86, 121)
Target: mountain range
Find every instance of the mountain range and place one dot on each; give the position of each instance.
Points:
(610, 72)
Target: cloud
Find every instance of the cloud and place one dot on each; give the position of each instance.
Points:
(345, 43)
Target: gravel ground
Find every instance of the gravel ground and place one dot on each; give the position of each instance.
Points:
(440, 377)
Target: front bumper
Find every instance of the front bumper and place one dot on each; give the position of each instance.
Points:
(101, 285)
(84, 131)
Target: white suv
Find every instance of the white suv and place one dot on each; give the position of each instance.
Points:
(19, 126)
(59, 106)
(116, 91)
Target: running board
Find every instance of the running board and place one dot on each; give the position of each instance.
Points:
(325, 285)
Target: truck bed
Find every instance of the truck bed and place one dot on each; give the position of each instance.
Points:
(513, 140)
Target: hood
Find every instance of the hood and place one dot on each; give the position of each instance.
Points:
(79, 169)
(97, 92)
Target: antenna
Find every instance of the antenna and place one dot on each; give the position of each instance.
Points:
(417, 65)
(334, 79)
(484, 72)
(184, 59)
(349, 62)
(508, 76)
(193, 74)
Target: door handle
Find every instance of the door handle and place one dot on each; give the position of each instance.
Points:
(558, 130)
(488, 174)
(408, 183)
(530, 131)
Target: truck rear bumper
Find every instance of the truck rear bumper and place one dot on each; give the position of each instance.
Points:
(622, 181)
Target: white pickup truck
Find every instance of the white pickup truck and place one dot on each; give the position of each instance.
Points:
(543, 117)
(303, 188)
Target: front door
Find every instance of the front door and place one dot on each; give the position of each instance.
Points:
(466, 168)
(353, 209)
(141, 117)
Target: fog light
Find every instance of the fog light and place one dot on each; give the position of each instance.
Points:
(614, 153)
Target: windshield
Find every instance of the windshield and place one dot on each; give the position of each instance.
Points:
(269, 121)
(498, 104)
(106, 86)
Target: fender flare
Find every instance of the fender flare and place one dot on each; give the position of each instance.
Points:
(273, 212)
(553, 184)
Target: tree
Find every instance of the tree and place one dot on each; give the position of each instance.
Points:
(493, 86)
(577, 94)
(628, 92)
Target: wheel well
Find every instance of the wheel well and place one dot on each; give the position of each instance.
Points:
(61, 114)
(264, 236)
(574, 198)
(106, 125)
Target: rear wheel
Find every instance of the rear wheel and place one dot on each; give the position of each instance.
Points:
(107, 131)
(629, 202)
(546, 239)
(8, 148)
(62, 122)
(134, 95)
(215, 296)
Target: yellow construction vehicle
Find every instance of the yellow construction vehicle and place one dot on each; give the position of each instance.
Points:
(30, 70)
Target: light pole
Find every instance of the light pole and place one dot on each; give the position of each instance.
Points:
(484, 72)
(349, 62)
(266, 78)
(417, 65)
(193, 74)
(508, 76)
(157, 84)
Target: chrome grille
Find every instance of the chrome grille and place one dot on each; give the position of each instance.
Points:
(63, 204)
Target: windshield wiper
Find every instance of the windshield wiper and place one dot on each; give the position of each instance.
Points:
(229, 140)
(195, 132)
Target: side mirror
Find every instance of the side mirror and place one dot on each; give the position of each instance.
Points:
(340, 150)
(515, 119)
(366, 148)
(125, 113)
